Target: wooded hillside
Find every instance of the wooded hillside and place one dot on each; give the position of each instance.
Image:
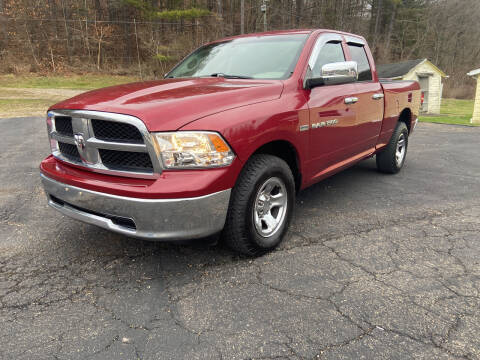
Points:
(147, 37)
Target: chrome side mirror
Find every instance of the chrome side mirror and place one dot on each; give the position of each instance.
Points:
(340, 72)
(334, 74)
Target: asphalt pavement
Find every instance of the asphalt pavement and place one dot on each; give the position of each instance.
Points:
(375, 267)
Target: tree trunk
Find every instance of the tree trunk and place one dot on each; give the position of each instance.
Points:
(98, 10)
(220, 14)
(298, 12)
(242, 16)
(375, 22)
(390, 31)
(67, 33)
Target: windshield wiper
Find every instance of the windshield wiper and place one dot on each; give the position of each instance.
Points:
(228, 76)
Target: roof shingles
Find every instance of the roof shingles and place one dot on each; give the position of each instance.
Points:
(397, 69)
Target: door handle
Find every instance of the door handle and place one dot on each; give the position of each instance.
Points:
(351, 100)
(377, 96)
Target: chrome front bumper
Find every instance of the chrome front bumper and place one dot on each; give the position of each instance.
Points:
(162, 219)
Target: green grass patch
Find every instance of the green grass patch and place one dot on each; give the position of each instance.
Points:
(23, 95)
(81, 82)
(29, 101)
(452, 111)
(24, 107)
(22, 102)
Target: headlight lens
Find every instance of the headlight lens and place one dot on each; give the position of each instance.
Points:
(193, 149)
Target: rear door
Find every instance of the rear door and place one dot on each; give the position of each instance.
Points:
(370, 105)
(331, 119)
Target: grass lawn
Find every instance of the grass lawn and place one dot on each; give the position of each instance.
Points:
(16, 102)
(23, 107)
(33, 95)
(452, 111)
(80, 82)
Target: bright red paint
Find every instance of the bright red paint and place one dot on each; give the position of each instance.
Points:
(249, 114)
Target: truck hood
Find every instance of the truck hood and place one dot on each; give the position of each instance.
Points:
(165, 105)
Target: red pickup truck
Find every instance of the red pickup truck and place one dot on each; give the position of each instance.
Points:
(225, 141)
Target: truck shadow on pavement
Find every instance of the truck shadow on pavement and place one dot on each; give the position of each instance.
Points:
(321, 198)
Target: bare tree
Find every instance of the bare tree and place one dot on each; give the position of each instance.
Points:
(101, 33)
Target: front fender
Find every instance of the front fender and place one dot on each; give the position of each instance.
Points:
(248, 128)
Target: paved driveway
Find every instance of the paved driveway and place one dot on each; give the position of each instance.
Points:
(375, 266)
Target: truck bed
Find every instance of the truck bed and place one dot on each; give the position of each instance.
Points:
(399, 94)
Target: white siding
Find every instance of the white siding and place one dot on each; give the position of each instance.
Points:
(434, 82)
(476, 110)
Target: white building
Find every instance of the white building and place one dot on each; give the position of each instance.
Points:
(428, 75)
(476, 108)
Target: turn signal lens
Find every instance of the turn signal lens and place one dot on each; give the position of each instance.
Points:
(193, 149)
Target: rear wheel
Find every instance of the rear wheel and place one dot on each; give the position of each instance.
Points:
(261, 206)
(392, 158)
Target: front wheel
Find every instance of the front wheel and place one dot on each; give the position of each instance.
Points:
(391, 159)
(261, 206)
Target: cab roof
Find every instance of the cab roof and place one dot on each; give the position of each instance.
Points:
(288, 32)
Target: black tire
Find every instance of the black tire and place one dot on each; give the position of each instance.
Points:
(240, 232)
(387, 159)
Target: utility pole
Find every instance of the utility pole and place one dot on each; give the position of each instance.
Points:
(263, 9)
(242, 16)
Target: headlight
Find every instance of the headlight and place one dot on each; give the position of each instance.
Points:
(193, 149)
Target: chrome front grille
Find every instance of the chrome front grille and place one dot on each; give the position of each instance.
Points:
(103, 142)
(63, 125)
(125, 159)
(114, 131)
(69, 151)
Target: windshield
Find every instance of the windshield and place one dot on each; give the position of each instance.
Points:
(266, 57)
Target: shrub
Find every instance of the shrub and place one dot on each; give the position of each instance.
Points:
(187, 14)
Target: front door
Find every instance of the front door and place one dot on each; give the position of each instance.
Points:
(332, 120)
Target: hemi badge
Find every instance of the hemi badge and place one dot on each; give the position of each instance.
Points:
(304, 127)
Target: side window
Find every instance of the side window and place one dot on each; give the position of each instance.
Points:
(331, 52)
(360, 56)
